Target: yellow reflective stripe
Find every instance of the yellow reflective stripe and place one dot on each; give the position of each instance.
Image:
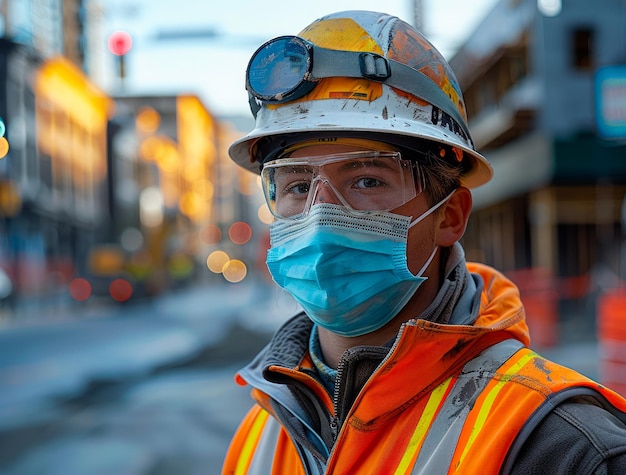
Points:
(426, 419)
(251, 441)
(490, 399)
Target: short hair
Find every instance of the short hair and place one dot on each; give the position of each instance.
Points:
(440, 171)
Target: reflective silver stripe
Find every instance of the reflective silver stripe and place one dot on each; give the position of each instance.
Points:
(438, 449)
(265, 452)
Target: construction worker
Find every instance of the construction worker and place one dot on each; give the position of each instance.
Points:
(407, 358)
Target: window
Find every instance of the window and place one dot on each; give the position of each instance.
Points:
(582, 49)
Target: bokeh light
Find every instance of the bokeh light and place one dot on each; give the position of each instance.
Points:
(120, 290)
(131, 239)
(240, 232)
(549, 7)
(140, 265)
(150, 148)
(210, 234)
(180, 265)
(147, 120)
(4, 147)
(151, 207)
(10, 199)
(80, 289)
(235, 271)
(264, 214)
(216, 261)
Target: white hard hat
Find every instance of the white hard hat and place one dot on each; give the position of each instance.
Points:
(356, 74)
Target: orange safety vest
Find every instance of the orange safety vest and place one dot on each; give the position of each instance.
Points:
(467, 424)
(447, 399)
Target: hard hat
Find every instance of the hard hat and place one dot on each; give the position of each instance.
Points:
(356, 74)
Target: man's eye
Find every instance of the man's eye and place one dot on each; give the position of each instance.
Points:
(368, 182)
(301, 188)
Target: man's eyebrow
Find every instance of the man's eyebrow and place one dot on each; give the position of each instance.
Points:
(370, 163)
(295, 168)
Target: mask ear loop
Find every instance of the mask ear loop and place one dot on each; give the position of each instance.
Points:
(421, 218)
(427, 263)
(431, 210)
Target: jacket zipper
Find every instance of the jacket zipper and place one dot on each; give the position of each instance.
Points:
(336, 421)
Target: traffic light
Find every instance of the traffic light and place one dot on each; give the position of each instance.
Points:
(119, 44)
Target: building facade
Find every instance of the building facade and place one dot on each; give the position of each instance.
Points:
(552, 217)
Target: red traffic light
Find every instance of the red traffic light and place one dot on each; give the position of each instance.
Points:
(119, 43)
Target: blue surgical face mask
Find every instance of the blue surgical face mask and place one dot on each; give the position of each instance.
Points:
(347, 270)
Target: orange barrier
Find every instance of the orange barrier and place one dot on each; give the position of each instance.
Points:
(540, 295)
(612, 339)
(542, 313)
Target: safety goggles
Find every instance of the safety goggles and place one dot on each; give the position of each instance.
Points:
(361, 181)
(289, 67)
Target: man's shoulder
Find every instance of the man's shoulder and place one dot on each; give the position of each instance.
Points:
(575, 437)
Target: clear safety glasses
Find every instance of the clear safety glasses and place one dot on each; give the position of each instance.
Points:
(362, 181)
(289, 67)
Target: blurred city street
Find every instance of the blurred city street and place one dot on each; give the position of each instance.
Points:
(139, 389)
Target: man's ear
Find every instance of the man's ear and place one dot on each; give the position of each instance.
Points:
(453, 217)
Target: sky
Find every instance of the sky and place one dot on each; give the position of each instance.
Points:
(214, 66)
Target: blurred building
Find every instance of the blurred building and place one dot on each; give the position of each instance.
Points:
(551, 219)
(108, 196)
(163, 175)
(53, 178)
(50, 27)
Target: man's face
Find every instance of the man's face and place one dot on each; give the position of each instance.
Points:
(363, 185)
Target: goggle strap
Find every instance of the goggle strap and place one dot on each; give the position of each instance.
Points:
(335, 63)
(255, 107)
